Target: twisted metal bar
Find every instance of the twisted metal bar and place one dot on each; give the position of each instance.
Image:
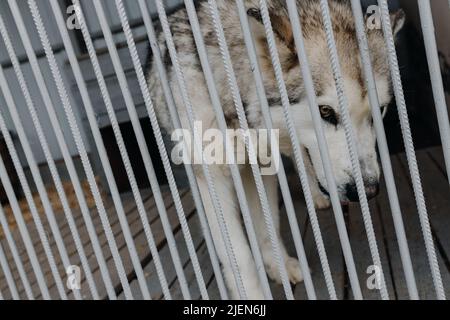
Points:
(298, 157)
(137, 129)
(282, 179)
(6, 182)
(162, 150)
(426, 19)
(75, 133)
(44, 197)
(95, 129)
(352, 146)
(12, 197)
(383, 149)
(7, 273)
(323, 148)
(12, 246)
(262, 195)
(189, 170)
(409, 146)
(181, 82)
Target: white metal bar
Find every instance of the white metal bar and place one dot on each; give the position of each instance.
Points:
(426, 19)
(251, 150)
(72, 122)
(201, 49)
(94, 126)
(8, 275)
(42, 190)
(60, 190)
(298, 243)
(384, 150)
(62, 144)
(13, 247)
(145, 156)
(296, 148)
(6, 182)
(323, 148)
(211, 185)
(409, 146)
(162, 150)
(34, 212)
(29, 197)
(189, 170)
(352, 147)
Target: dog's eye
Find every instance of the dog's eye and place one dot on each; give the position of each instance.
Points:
(328, 114)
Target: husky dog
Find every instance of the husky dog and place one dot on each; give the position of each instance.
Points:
(316, 49)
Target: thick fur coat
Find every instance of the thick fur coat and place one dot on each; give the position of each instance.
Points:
(319, 61)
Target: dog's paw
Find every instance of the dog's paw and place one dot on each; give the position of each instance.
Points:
(321, 202)
(293, 270)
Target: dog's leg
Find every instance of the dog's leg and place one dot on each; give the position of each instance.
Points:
(292, 264)
(241, 248)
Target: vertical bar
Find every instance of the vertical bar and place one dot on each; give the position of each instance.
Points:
(7, 273)
(46, 203)
(351, 143)
(426, 19)
(323, 148)
(409, 146)
(249, 145)
(211, 185)
(15, 254)
(145, 155)
(78, 191)
(162, 149)
(298, 157)
(6, 182)
(201, 49)
(62, 144)
(189, 170)
(93, 124)
(251, 50)
(66, 103)
(42, 190)
(384, 150)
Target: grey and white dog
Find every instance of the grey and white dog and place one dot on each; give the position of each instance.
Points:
(316, 47)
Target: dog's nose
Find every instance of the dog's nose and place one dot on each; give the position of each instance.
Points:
(351, 191)
(372, 189)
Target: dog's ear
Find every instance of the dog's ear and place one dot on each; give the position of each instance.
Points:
(280, 25)
(397, 21)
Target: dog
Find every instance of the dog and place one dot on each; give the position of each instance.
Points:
(316, 48)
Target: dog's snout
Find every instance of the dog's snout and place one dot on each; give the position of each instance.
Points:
(371, 189)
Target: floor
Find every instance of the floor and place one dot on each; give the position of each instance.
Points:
(437, 193)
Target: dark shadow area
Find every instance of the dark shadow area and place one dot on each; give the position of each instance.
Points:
(134, 154)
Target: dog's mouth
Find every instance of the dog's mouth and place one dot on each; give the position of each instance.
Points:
(326, 193)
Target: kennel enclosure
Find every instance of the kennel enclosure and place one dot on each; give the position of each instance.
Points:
(76, 111)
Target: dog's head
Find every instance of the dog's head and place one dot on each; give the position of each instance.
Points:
(320, 66)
